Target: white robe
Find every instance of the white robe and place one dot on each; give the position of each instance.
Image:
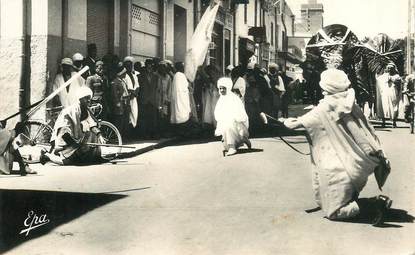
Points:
(342, 145)
(210, 97)
(232, 120)
(68, 98)
(133, 115)
(387, 97)
(69, 121)
(240, 84)
(180, 100)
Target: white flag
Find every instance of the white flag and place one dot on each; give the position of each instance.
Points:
(200, 41)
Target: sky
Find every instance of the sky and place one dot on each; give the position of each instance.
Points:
(364, 17)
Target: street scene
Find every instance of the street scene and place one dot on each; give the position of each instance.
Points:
(207, 127)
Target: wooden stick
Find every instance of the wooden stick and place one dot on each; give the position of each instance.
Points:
(110, 145)
(54, 93)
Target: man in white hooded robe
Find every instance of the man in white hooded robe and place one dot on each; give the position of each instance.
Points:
(344, 152)
(231, 117)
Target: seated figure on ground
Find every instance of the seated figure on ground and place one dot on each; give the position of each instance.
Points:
(344, 152)
(74, 128)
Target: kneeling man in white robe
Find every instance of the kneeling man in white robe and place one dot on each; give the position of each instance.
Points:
(231, 117)
(344, 152)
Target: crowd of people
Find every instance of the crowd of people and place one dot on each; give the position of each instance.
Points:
(154, 99)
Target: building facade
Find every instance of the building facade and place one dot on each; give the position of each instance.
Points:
(311, 18)
(45, 31)
(36, 34)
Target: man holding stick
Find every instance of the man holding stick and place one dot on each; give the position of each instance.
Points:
(74, 128)
(344, 152)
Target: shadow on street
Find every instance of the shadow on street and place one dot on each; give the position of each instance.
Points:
(58, 207)
(392, 216)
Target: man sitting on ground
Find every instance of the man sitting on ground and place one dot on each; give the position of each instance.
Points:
(74, 128)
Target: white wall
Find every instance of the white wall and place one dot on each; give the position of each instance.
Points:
(11, 18)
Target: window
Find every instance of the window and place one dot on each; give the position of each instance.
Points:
(272, 33)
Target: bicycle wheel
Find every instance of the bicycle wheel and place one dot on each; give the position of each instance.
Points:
(112, 136)
(36, 136)
(37, 133)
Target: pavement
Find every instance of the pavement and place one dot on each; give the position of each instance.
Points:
(140, 147)
(186, 198)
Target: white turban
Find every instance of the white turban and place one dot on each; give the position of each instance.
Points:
(77, 57)
(225, 82)
(334, 81)
(129, 59)
(83, 92)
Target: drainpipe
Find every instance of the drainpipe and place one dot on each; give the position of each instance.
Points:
(164, 29)
(284, 44)
(234, 36)
(24, 87)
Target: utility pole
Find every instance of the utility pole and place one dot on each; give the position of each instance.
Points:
(409, 39)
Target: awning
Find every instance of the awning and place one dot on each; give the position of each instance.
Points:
(259, 34)
(290, 57)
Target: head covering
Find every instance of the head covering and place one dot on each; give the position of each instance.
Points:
(77, 57)
(250, 66)
(334, 81)
(148, 62)
(230, 67)
(168, 62)
(99, 63)
(84, 91)
(225, 82)
(391, 64)
(66, 61)
(121, 70)
(272, 65)
(129, 59)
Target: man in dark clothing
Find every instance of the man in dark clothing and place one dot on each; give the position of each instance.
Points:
(252, 99)
(120, 101)
(148, 99)
(98, 84)
(91, 58)
(266, 100)
(286, 97)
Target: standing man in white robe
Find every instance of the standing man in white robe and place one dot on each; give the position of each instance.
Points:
(344, 152)
(180, 99)
(231, 117)
(69, 95)
(132, 87)
(388, 87)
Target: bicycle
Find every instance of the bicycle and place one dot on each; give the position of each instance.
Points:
(37, 135)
